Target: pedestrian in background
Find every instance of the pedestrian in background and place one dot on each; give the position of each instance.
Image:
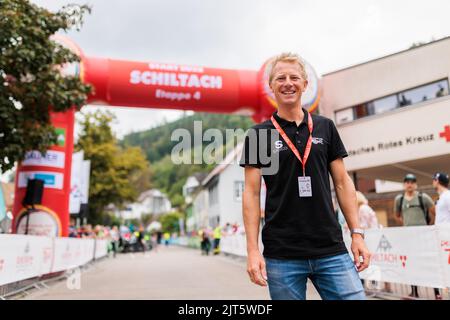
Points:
(217, 234)
(205, 243)
(367, 217)
(158, 236)
(114, 234)
(413, 208)
(440, 184)
(141, 238)
(155, 242)
(166, 237)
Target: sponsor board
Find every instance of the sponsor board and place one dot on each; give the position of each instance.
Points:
(53, 159)
(41, 222)
(23, 257)
(53, 180)
(26, 256)
(408, 255)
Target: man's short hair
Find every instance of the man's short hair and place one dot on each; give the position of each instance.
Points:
(410, 177)
(288, 57)
(442, 178)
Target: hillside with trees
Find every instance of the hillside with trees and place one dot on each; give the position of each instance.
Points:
(157, 146)
(117, 172)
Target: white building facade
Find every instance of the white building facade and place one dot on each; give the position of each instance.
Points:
(393, 113)
(220, 200)
(200, 207)
(151, 201)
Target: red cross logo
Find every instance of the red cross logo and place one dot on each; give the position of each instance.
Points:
(448, 250)
(403, 259)
(445, 134)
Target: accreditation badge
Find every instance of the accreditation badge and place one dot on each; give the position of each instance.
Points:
(304, 187)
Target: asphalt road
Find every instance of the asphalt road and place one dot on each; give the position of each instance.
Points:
(170, 273)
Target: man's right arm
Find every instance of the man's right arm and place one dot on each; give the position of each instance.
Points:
(429, 205)
(256, 267)
(397, 213)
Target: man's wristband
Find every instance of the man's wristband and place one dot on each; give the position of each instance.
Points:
(357, 231)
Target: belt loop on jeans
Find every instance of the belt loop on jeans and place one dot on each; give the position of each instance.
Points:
(311, 268)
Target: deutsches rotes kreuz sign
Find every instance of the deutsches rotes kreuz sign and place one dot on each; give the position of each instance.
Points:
(416, 133)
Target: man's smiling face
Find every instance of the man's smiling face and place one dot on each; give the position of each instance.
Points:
(287, 83)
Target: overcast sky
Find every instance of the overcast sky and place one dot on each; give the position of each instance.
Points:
(329, 34)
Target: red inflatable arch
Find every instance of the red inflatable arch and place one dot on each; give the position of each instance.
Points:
(145, 85)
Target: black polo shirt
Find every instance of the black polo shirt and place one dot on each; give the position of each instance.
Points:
(297, 228)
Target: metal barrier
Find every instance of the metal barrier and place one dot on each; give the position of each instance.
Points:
(401, 257)
(11, 288)
(29, 262)
(388, 290)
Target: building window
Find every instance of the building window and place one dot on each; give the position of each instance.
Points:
(214, 194)
(238, 190)
(361, 111)
(189, 191)
(345, 115)
(382, 105)
(401, 99)
(158, 205)
(424, 93)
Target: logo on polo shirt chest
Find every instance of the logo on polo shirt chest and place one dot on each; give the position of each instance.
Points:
(279, 146)
(316, 140)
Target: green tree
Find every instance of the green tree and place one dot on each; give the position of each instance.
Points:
(170, 222)
(156, 143)
(114, 169)
(147, 218)
(177, 200)
(30, 76)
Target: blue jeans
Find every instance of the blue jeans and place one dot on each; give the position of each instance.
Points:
(334, 277)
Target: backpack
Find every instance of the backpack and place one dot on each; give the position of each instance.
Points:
(422, 206)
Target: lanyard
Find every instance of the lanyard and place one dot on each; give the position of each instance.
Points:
(291, 145)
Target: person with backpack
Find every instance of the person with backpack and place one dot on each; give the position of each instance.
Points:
(413, 208)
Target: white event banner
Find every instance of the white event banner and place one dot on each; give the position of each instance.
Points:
(52, 158)
(444, 244)
(23, 257)
(101, 248)
(75, 182)
(235, 244)
(407, 255)
(85, 178)
(71, 253)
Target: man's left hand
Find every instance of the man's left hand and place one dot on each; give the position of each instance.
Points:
(359, 249)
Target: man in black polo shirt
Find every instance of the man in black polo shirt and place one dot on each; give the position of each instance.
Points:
(301, 235)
